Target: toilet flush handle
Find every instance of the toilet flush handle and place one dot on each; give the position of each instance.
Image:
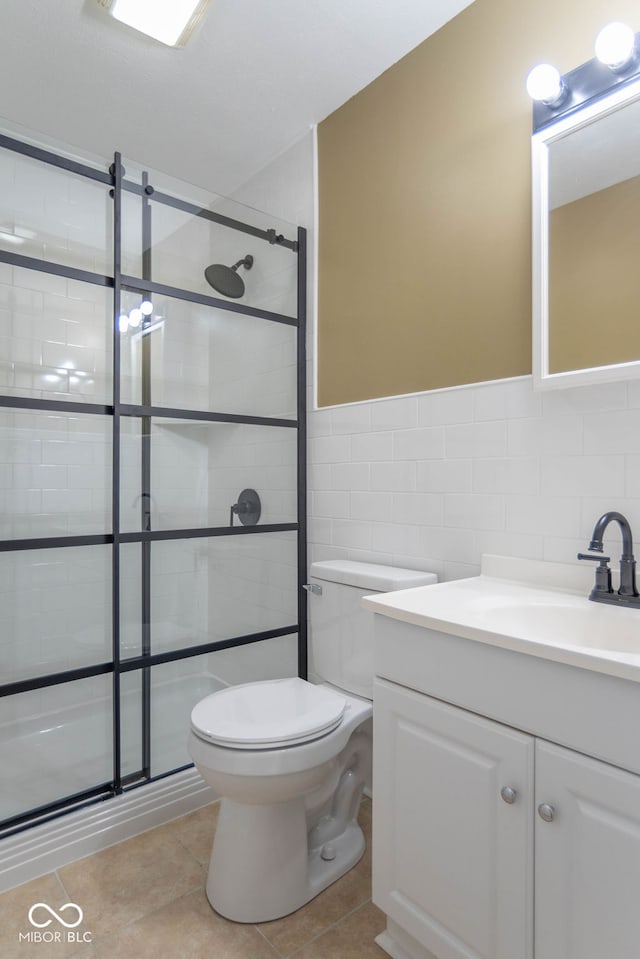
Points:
(313, 588)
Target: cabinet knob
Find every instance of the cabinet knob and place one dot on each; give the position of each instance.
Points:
(546, 811)
(509, 794)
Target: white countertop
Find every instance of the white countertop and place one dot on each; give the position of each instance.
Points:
(540, 609)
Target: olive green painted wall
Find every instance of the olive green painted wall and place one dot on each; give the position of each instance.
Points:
(424, 203)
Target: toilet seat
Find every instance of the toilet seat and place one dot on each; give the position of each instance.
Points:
(268, 715)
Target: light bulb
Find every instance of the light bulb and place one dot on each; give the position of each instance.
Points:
(135, 317)
(615, 45)
(146, 307)
(123, 322)
(545, 83)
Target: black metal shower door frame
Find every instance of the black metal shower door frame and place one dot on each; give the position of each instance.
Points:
(114, 180)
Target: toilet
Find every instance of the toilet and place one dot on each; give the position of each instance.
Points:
(290, 758)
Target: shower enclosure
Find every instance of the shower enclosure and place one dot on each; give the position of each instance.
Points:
(137, 407)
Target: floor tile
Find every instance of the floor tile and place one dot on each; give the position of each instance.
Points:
(125, 882)
(350, 938)
(14, 919)
(187, 927)
(195, 831)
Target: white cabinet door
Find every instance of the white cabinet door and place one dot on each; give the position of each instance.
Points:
(587, 884)
(452, 859)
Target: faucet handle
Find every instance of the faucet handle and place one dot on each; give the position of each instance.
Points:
(598, 558)
(603, 573)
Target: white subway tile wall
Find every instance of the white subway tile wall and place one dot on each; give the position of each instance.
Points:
(252, 584)
(55, 477)
(434, 480)
(55, 337)
(55, 610)
(50, 214)
(253, 366)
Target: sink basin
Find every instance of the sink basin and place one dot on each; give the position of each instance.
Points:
(570, 623)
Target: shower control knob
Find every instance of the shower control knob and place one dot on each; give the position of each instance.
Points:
(509, 794)
(546, 811)
(328, 852)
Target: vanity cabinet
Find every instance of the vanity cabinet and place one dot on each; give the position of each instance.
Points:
(453, 862)
(474, 821)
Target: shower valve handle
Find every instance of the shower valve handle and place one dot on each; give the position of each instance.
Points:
(248, 508)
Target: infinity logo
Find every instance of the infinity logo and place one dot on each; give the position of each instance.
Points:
(47, 922)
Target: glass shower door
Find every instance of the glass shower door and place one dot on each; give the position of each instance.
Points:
(138, 404)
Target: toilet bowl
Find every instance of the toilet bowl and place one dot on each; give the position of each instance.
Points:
(266, 860)
(290, 759)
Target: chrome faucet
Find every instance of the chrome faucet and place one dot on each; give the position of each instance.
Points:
(603, 592)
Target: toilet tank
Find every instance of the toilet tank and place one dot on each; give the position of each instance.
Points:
(341, 631)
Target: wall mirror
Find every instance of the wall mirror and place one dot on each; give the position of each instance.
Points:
(586, 243)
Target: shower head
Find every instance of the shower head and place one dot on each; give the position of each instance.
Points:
(225, 279)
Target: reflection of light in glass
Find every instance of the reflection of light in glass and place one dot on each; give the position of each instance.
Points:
(146, 307)
(157, 324)
(123, 322)
(11, 238)
(74, 380)
(16, 235)
(66, 366)
(135, 317)
(52, 378)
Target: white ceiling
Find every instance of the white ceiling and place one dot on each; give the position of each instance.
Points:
(250, 83)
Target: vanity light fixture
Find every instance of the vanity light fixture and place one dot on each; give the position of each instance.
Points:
(616, 46)
(544, 83)
(617, 61)
(170, 21)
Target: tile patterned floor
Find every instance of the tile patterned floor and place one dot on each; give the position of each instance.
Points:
(145, 898)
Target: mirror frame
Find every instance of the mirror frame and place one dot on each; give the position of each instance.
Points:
(541, 141)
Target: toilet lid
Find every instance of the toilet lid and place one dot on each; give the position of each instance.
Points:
(265, 715)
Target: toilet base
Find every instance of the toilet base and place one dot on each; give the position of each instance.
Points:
(261, 867)
(348, 848)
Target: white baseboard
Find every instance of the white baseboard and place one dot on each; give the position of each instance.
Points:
(400, 945)
(43, 848)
